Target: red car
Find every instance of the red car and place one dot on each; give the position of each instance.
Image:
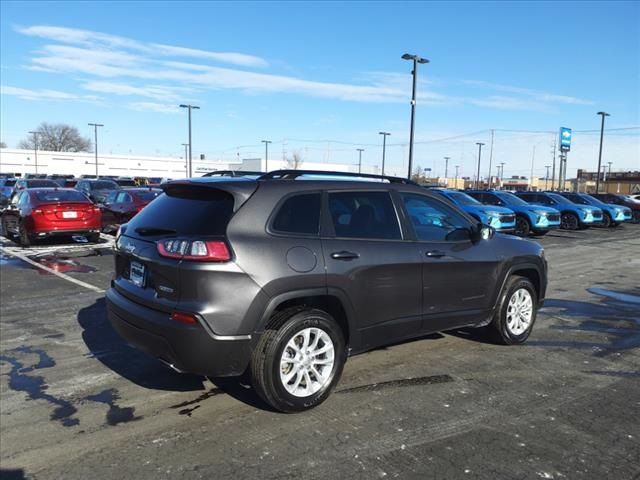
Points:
(120, 206)
(43, 212)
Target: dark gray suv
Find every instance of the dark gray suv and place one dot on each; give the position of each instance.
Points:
(288, 273)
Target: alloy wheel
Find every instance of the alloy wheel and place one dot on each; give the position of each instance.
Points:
(519, 311)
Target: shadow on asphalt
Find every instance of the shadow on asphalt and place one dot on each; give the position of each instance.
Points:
(112, 351)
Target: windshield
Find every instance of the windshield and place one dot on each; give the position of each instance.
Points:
(41, 183)
(559, 198)
(462, 198)
(103, 185)
(46, 196)
(575, 198)
(510, 198)
(592, 200)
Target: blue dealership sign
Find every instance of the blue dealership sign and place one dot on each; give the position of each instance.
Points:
(565, 139)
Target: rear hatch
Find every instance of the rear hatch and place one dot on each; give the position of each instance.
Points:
(188, 216)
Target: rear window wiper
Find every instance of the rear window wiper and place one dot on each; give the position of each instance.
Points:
(154, 231)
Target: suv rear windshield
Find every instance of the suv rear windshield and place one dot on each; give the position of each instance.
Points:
(185, 211)
(148, 195)
(60, 196)
(103, 185)
(41, 183)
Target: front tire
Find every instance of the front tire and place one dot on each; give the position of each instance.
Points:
(516, 314)
(606, 220)
(569, 221)
(523, 226)
(296, 365)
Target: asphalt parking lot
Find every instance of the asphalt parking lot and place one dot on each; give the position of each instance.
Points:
(76, 402)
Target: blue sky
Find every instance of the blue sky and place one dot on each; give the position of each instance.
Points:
(323, 78)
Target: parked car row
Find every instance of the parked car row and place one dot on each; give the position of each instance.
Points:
(537, 213)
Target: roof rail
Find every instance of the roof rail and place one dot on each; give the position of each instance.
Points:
(231, 173)
(293, 174)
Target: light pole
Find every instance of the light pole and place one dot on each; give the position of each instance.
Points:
(360, 150)
(416, 60)
(501, 174)
(546, 178)
(608, 179)
(266, 154)
(35, 148)
(186, 162)
(95, 134)
(384, 147)
(455, 185)
(190, 107)
(446, 170)
(602, 114)
(480, 144)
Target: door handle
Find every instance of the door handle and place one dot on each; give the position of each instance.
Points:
(435, 254)
(344, 255)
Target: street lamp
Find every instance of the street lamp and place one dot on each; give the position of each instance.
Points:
(35, 148)
(190, 107)
(360, 150)
(546, 178)
(95, 134)
(416, 60)
(501, 174)
(186, 164)
(266, 154)
(480, 144)
(384, 147)
(446, 169)
(602, 114)
(608, 179)
(455, 185)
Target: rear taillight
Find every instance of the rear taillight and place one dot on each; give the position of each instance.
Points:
(187, 318)
(199, 250)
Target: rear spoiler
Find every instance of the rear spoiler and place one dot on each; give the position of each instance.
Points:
(239, 190)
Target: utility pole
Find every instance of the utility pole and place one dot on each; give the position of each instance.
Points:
(480, 144)
(455, 185)
(546, 177)
(501, 174)
(416, 60)
(35, 148)
(190, 107)
(95, 133)
(360, 150)
(186, 162)
(446, 170)
(533, 157)
(384, 148)
(266, 154)
(490, 157)
(602, 114)
(553, 175)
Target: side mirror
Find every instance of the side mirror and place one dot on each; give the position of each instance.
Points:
(482, 232)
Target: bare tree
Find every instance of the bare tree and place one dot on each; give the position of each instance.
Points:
(3, 145)
(57, 137)
(418, 175)
(294, 162)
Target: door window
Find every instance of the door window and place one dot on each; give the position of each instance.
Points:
(491, 199)
(123, 197)
(299, 214)
(433, 221)
(364, 214)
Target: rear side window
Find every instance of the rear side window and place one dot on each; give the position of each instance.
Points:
(364, 215)
(185, 211)
(299, 214)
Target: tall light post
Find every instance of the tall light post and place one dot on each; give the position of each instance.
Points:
(455, 185)
(546, 177)
(35, 148)
(190, 107)
(186, 162)
(384, 147)
(446, 170)
(480, 144)
(95, 134)
(266, 154)
(501, 174)
(608, 179)
(360, 150)
(416, 60)
(602, 114)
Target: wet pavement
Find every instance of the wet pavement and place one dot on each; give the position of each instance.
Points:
(77, 402)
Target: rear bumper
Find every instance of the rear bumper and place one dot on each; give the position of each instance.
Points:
(44, 233)
(188, 348)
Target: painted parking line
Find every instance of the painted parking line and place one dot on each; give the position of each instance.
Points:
(26, 259)
(107, 242)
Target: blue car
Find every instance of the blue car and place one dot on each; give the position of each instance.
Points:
(572, 215)
(537, 220)
(613, 215)
(500, 218)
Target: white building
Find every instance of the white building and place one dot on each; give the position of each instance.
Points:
(70, 163)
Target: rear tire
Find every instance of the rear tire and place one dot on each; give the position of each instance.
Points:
(23, 236)
(298, 360)
(523, 226)
(569, 221)
(93, 237)
(516, 314)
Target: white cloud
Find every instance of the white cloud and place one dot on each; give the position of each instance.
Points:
(534, 94)
(157, 92)
(154, 107)
(44, 94)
